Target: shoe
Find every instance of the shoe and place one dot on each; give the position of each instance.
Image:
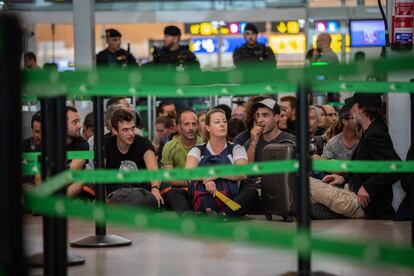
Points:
(211, 213)
(320, 211)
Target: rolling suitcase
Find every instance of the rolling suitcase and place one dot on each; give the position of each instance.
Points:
(278, 190)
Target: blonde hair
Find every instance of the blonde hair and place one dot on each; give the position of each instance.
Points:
(206, 134)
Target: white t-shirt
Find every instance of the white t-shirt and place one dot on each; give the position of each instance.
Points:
(239, 152)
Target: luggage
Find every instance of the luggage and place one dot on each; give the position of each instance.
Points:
(199, 198)
(278, 193)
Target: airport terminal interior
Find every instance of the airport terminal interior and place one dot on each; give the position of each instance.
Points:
(210, 137)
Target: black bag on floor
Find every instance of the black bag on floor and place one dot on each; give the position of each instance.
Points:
(133, 196)
(278, 193)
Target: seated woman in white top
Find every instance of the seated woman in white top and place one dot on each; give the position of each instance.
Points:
(217, 150)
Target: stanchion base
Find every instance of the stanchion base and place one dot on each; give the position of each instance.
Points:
(36, 260)
(101, 241)
(313, 273)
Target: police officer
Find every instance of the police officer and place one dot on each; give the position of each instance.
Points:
(176, 57)
(114, 54)
(253, 51)
(172, 52)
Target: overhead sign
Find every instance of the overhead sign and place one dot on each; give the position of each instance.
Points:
(288, 44)
(327, 26)
(216, 27)
(209, 45)
(288, 27)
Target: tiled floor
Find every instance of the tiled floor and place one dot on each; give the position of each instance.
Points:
(155, 253)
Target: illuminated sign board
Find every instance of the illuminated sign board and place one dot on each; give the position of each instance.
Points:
(214, 27)
(209, 45)
(330, 26)
(288, 27)
(336, 43)
(288, 44)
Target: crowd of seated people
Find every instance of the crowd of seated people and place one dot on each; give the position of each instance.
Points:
(221, 135)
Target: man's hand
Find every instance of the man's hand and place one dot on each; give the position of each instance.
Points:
(211, 187)
(315, 53)
(156, 193)
(363, 197)
(255, 134)
(334, 179)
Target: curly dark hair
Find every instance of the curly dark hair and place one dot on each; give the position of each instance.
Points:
(121, 115)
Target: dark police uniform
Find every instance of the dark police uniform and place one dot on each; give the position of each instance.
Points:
(257, 53)
(180, 57)
(119, 58)
(177, 60)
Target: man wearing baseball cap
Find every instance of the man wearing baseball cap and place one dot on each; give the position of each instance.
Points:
(265, 130)
(172, 53)
(114, 55)
(253, 51)
(367, 195)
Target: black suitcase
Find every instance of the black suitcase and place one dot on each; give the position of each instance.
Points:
(278, 193)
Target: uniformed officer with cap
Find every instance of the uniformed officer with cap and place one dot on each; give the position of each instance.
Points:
(114, 54)
(253, 51)
(172, 52)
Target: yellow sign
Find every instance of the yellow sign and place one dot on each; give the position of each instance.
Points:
(224, 30)
(195, 29)
(293, 27)
(288, 44)
(281, 27)
(290, 27)
(207, 28)
(336, 43)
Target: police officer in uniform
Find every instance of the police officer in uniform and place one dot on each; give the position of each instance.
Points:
(114, 55)
(253, 51)
(176, 57)
(172, 53)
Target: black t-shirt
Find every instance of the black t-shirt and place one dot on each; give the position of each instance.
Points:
(242, 138)
(78, 144)
(282, 138)
(132, 160)
(291, 127)
(29, 145)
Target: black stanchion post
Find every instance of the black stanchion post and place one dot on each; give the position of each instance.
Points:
(412, 175)
(40, 259)
(56, 256)
(100, 228)
(47, 258)
(302, 182)
(302, 191)
(100, 239)
(12, 260)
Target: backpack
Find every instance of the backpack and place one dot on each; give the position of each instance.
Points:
(199, 198)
